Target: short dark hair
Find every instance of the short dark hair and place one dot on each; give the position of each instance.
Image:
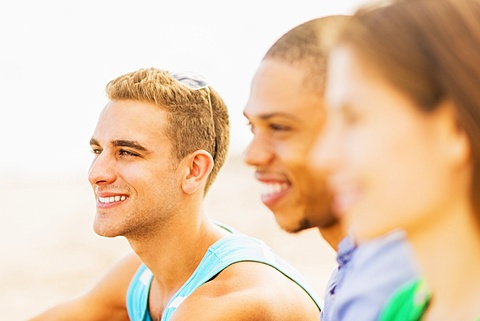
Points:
(307, 45)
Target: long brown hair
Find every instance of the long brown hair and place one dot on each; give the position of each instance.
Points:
(430, 50)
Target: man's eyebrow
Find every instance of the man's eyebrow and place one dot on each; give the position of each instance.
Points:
(93, 141)
(129, 143)
(276, 114)
(122, 143)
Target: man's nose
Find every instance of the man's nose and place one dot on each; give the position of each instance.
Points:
(102, 170)
(258, 152)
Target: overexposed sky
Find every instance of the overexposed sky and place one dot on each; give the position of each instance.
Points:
(57, 55)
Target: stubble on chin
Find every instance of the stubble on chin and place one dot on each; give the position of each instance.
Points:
(326, 220)
(302, 225)
(104, 228)
(329, 221)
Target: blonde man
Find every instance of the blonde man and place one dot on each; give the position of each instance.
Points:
(158, 145)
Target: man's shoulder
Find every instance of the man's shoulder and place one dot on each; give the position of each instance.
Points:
(238, 248)
(248, 280)
(238, 274)
(246, 291)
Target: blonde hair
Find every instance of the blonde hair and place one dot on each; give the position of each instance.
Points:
(193, 125)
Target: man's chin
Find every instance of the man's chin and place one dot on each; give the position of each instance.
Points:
(105, 231)
(328, 222)
(106, 234)
(293, 226)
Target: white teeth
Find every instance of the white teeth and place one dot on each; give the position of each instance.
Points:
(111, 199)
(269, 189)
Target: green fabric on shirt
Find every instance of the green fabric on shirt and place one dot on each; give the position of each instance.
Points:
(409, 303)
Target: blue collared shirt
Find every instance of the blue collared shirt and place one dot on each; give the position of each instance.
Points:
(367, 276)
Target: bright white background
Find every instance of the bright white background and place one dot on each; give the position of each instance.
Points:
(57, 55)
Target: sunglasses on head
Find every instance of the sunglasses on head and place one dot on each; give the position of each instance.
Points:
(195, 81)
(190, 79)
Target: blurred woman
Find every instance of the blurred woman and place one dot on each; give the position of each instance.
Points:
(402, 145)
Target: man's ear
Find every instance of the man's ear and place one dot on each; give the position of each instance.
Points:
(198, 166)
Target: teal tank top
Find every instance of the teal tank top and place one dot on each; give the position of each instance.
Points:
(225, 252)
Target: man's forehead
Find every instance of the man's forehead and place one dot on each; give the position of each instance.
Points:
(269, 115)
(302, 108)
(131, 121)
(273, 73)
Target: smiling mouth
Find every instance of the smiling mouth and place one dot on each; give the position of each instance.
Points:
(111, 199)
(271, 189)
(273, 192)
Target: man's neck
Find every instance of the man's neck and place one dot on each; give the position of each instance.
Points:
(333, 235)
(173, 252)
